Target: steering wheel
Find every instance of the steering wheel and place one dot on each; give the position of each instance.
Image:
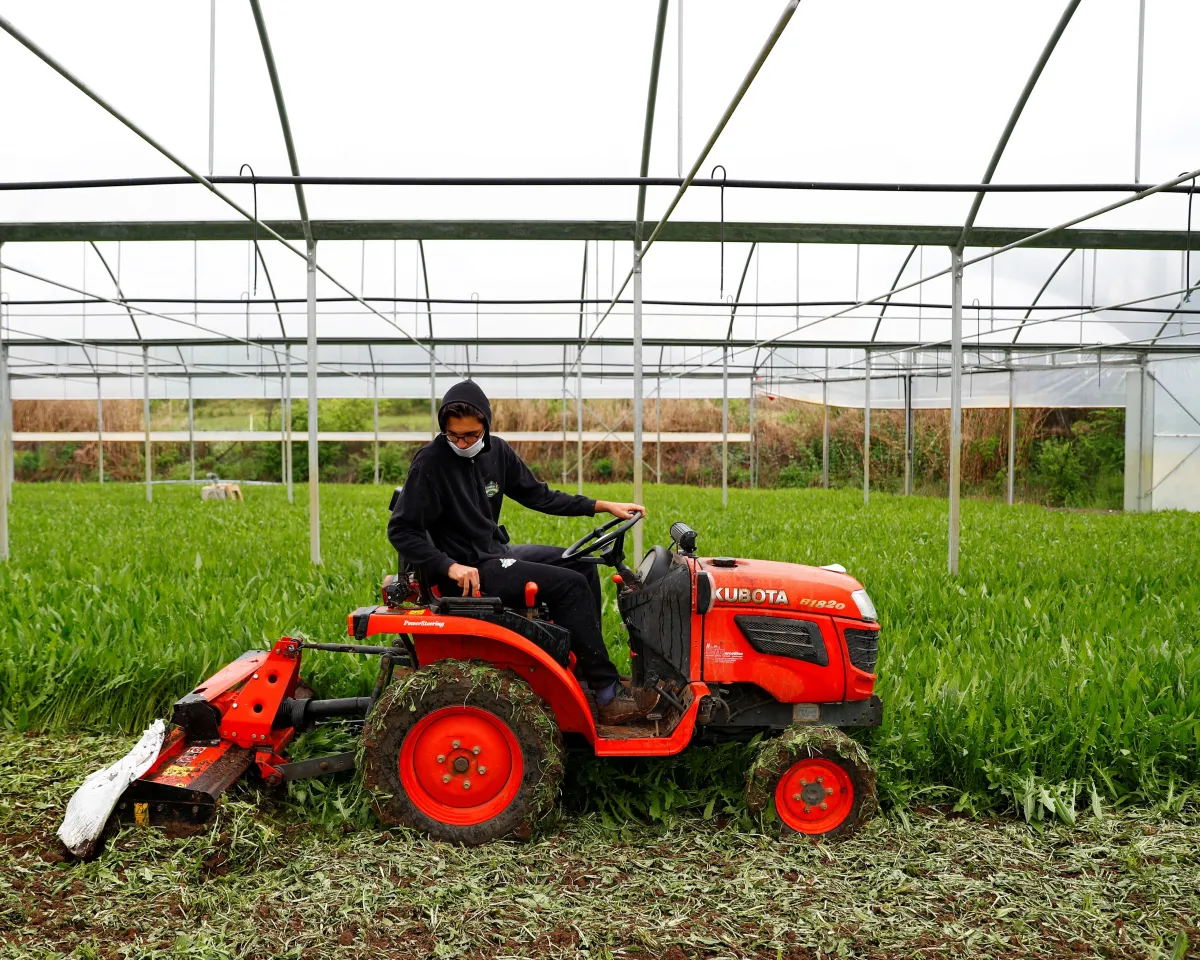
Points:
(594, 547)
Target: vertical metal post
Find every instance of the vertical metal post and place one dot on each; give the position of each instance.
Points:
(314, 466)
(867, 427)
(825, 435)
(99, 430)
(908, 430)
(289, 473)
(1145, 433)
(1012, 428)
(637, 390)
(658, 425)
(191, 430)
(212, 81)
(564, 417)
(1137, 125)
(753, 479)
(375, 415)
(433, 421)
(725, 426)
(956, 273)
(146, 419)
(282, 428)
(679, 122)
(579, 422)
(4, 388)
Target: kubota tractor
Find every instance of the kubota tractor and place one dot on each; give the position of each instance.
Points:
(463, 735)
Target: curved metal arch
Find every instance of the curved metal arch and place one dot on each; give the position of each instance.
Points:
(284, 123)
(1055, 36)
(1053, 273)
(888, 300)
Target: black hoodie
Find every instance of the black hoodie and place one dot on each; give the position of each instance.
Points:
(457, 500)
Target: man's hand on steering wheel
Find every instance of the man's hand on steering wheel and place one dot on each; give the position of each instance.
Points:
(622, 511)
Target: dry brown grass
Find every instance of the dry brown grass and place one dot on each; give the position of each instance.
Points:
(788, 432)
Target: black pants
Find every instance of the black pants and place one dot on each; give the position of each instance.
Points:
(570, 590)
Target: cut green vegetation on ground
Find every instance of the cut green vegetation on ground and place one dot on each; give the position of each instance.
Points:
(260, 883)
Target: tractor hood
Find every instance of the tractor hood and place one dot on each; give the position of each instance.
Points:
(768, 586)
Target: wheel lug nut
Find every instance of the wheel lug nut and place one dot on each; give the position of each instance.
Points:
(441, 758)
(445, 778)
(820, 779)
(475, 750)
(828, 790)
(481, 771)
(466, 784)
(824, 805)
(808, 809)
(455, 745)
(796, 797)
(803, 782)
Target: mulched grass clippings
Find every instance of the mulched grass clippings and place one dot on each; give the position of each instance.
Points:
(265, 882)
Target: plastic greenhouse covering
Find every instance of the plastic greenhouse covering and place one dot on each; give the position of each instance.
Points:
(773, 288)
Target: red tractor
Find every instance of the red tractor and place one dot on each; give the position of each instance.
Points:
(465, 741)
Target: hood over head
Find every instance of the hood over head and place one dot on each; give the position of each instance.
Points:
(468, 391)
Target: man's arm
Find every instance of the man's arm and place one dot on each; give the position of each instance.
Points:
(419, 506)
(527, 490)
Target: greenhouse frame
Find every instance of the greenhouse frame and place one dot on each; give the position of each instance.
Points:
(243, 292)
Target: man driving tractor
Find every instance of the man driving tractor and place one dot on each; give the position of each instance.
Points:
(447, 523)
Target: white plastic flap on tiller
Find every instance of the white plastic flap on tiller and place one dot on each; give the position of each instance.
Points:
(91, 805)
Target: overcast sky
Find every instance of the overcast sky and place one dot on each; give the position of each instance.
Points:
(865, 90)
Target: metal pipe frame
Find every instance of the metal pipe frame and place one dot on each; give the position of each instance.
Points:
(146, 421)
(1058, 237)
(99, 431)
(732, 182)
(647, 138)
(191, 432)
(866, 427)
(199, 178)
(310, 246)
(755, 67)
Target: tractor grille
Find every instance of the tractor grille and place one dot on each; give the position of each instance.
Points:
(797, 639)
(864, 648)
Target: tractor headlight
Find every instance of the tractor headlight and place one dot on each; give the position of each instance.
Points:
(866, 609)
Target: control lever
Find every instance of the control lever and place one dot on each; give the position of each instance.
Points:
(531, 590)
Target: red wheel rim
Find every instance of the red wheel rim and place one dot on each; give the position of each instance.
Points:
(805, 787)
(461, 765)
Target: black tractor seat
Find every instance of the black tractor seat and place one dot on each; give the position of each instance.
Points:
(551, 637)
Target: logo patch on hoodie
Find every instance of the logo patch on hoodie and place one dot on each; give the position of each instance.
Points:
(491, 488)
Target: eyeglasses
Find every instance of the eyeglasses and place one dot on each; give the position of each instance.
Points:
(458, 437)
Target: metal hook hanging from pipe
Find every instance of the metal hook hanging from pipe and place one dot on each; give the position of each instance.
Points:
(257, 254)
(475, 300)
(724, 176)
(1187, 269)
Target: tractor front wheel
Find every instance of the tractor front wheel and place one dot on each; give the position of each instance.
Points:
(813, 781)
(463, 752)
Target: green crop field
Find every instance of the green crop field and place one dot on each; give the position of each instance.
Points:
(1056, 681)
(1059, 672)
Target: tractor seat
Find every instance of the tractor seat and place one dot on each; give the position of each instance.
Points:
(655, 565)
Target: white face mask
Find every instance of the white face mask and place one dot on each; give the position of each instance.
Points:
(470, 452)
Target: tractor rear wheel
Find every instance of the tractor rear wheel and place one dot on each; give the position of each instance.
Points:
(813, 781)
(463, 752)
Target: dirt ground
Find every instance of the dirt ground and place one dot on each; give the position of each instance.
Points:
(264, 882)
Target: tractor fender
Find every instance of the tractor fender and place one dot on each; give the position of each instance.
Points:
(436, 637)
